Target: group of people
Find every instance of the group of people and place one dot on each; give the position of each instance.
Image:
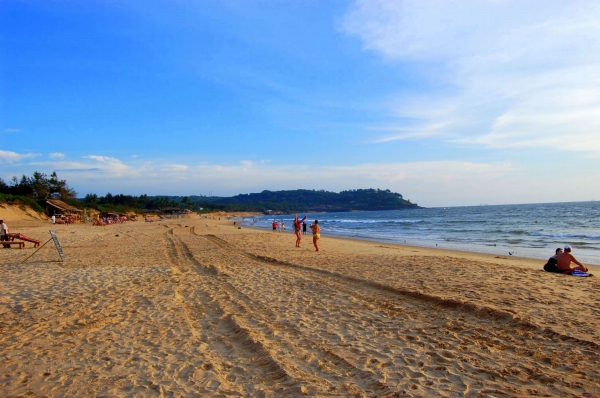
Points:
(103, 221)
(300, 227)
(561, 263)
(278, 226)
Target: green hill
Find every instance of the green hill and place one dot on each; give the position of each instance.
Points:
(303, 200)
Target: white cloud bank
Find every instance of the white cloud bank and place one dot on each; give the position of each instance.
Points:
(438, 183)
(9, 156)
(509, 74)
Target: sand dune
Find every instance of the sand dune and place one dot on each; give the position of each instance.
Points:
(179, 308)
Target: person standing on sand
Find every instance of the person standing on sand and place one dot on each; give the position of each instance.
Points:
(297, 229)
(316, 230)
(274, 226)
(304, 227)
(3, 232)
(563, 262)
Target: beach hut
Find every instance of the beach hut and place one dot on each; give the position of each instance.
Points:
(62, 211)
(175, 212)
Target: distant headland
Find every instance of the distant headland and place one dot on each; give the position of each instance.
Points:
(305, 200)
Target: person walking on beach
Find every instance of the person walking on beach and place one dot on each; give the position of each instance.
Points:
(304, 227)
(3, 232)
(274, 226)
(316, 230)
(564, 260)
(297, 229)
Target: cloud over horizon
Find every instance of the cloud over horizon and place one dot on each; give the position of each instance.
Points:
(430, 183)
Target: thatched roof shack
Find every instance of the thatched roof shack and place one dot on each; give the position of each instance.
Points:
(58, 208)
(175, 212)
(55, 207)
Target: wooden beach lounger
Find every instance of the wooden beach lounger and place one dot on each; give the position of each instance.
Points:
(8, 242)
(20, 236)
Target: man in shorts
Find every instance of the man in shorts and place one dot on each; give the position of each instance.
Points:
(564, 260)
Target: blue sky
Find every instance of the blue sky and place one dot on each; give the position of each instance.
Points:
(447, 102)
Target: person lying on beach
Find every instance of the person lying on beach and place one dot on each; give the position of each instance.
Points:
(564, 260)
(552, 261)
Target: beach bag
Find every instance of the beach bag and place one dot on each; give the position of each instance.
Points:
(551, 266)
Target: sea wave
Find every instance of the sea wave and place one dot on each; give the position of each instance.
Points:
(343, 221)
(566, 235)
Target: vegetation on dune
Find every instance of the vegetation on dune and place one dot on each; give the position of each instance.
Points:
(28, 191)
(21, 201)
(39, 187)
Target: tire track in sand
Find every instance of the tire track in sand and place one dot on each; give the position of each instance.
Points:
(323, 370)
(240, 362)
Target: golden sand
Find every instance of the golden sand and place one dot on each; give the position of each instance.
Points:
(196, 307)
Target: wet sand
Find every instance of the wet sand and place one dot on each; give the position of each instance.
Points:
(196, 307)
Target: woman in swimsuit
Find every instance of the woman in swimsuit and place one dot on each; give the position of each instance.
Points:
(316, 230)
(298, 229)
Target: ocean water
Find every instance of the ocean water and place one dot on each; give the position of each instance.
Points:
(528, 230)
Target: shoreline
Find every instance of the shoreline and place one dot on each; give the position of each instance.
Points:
(530, 231)
(532, 261)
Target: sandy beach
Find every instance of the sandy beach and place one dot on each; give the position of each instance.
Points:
(197, 307)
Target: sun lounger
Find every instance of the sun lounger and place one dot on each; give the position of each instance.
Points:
(20, 236)
(21, 244)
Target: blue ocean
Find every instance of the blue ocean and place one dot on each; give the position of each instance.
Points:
(528, 230)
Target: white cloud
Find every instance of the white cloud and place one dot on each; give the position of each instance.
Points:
(57, 155)
(402, 133)
(112, 166)
(11, 130)
(175, 167)
(9, 156)
(509, 74)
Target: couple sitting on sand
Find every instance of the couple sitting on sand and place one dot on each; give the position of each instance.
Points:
(561, 263)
